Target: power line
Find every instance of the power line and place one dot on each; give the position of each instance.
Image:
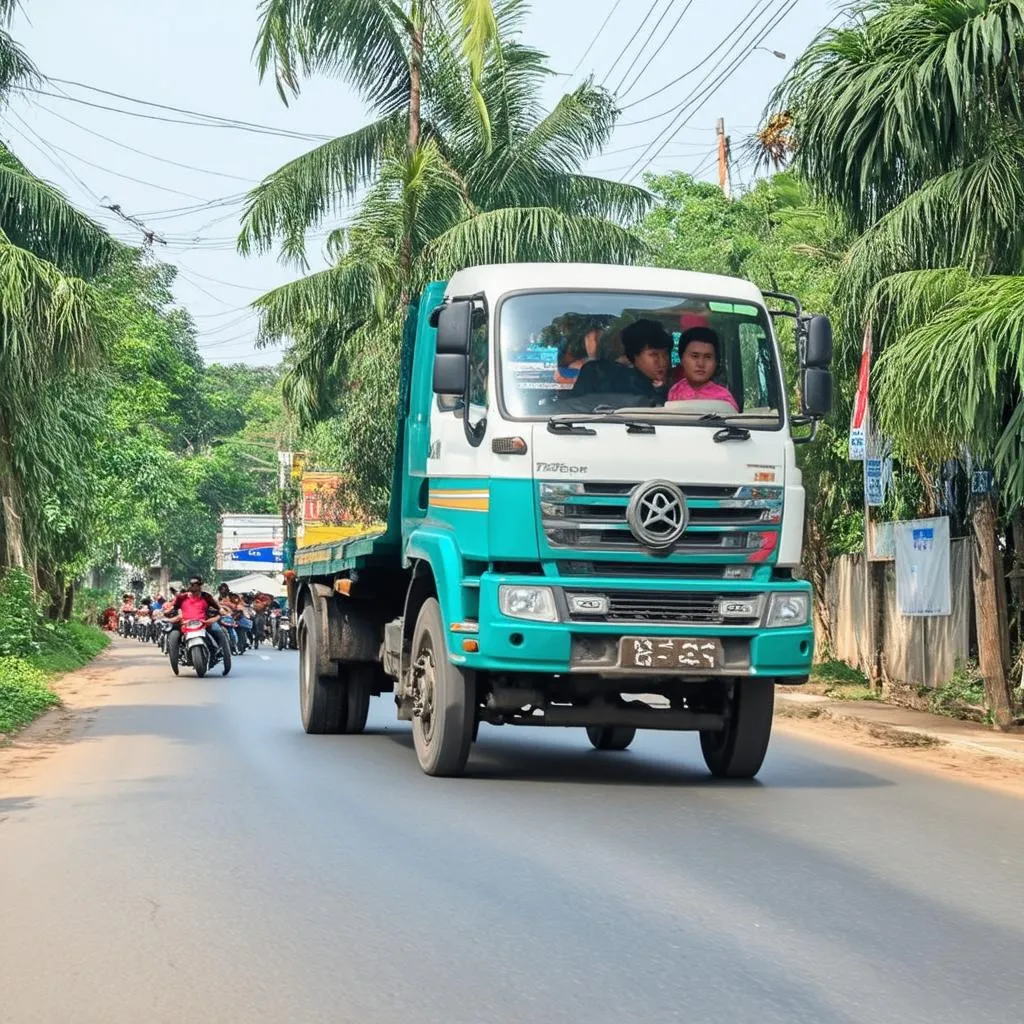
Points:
(644, 45)
(622, 52)
(653, 56)
(597, 35)
(141, 152)
(118, 174)
(51, 158)
(696, 98)
(241, 126)
(232, 122)
(753, 12)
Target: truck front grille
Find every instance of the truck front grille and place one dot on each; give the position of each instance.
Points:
(665, 608)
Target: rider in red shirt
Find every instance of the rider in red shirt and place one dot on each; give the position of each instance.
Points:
(196, 603)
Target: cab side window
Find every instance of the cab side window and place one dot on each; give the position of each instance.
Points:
(479, 367)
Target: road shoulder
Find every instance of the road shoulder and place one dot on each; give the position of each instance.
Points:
(81, 692)
(960, 750)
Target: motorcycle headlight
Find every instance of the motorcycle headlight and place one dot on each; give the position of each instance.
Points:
(535, 603)
(788, 609)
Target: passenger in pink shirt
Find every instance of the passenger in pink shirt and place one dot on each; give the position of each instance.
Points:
(698, 361)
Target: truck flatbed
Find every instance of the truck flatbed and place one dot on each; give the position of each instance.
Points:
(379, 547)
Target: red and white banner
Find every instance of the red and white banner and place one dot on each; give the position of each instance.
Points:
(860, 416)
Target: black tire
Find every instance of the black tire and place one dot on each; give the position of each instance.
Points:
(323, 701)
(280, 641)
(357, 692)
(199, 656)
(738, 750)
(225, 652)
(443, 735)
(610, 737)
(173, 648)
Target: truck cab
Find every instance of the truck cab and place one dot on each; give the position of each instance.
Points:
(581, 534)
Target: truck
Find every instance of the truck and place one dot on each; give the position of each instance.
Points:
(558, 556)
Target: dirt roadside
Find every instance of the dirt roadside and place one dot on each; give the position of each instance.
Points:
(81, 692)
(909, 749)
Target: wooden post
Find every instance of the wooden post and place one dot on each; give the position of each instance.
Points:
(723, 157)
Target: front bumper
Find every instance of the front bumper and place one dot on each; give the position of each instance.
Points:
(516, 645)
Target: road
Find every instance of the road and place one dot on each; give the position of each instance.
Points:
(194, 857)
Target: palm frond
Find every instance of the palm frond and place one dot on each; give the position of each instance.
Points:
(529, 234)
(947, 381)
(902, 94)
(35, 216)
(297, 196)
(362, 42)
(47, 323)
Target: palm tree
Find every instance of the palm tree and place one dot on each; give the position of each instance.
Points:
(909, 119)
(459, 196)
(48, 314)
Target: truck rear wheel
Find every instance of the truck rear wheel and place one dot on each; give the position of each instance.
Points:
(738, 750)
(322, 699)
(357, 695)
(610, 737)
(445, 699)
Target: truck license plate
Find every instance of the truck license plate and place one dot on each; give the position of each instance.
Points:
(672, 653)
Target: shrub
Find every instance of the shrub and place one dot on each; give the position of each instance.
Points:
(19, 616)
(24, 693)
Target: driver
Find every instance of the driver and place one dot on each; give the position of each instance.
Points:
(698, 362)
(648, 347)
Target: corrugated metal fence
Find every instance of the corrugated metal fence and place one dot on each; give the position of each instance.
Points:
(914, 650)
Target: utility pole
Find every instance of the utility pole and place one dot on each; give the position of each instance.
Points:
(723, 158)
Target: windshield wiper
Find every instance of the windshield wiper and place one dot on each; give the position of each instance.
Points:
(569, 426)
(729, 431)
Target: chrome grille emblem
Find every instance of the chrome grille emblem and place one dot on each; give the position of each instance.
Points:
(657, 514)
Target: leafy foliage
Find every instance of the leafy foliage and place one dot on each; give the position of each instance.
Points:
(24, 693)
(468, 170)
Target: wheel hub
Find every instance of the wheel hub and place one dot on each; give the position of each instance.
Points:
(423, 690)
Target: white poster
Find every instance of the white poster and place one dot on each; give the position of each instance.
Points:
(922, 567)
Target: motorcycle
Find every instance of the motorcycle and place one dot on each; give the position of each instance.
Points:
(243, 626)
(194, 646)
(164, 630)
(126, 624)
(285, 637)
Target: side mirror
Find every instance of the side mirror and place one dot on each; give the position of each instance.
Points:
(817, 393)
(818, 343)
(451, 361)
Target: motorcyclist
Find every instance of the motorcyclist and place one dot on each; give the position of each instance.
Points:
(196, 603)
(261, 604)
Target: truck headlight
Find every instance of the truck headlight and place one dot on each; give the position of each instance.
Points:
(536, 603)
(788, 610)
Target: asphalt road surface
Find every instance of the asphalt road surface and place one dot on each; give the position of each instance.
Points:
(194, 857)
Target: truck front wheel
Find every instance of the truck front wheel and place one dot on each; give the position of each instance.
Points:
(322, 699)
(737, 751)
(609, 737)
(444, 696)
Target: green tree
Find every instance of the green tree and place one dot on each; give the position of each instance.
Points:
(909, 120)
(433, 194)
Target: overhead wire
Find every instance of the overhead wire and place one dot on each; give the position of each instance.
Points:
(696, 97)
(639, 29)
(597, 35)
(653, 56)
(142, 152)
(753, 12)
(231, 122)
(643, 46)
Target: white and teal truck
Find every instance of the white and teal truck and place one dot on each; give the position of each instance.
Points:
(556, 558)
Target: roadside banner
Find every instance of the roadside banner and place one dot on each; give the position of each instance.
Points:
(922, 567)
(860, 415)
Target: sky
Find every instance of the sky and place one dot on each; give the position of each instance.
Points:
(186, 182)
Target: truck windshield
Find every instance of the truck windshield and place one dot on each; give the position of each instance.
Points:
(563, 353)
